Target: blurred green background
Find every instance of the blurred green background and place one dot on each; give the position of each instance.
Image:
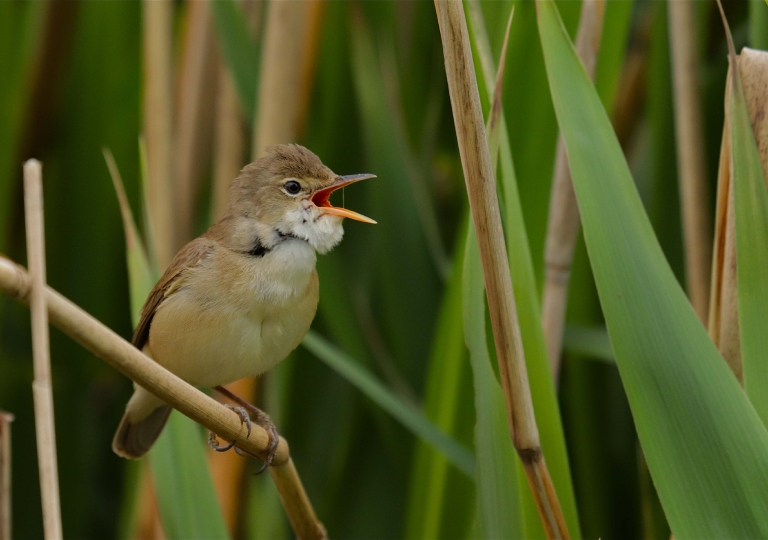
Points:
(71, 84)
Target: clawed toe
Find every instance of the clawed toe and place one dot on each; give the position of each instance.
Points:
(244, 419)
(261, 418)
(213, 443)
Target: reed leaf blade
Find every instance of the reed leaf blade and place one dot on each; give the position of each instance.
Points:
(706, 448)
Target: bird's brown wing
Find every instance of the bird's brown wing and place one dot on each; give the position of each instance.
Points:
(189, 257)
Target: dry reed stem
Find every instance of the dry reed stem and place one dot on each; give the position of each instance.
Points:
(229, 142)
(5, 475)
(195, 105)
(481, 188)
(564, 220)
(723, 324)
(689, 130)
(286, 72)
(42, 391)
(157, 43)
(131, 362)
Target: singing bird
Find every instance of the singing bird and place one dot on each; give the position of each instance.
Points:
(237, 300)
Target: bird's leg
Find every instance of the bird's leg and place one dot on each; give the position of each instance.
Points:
(244, 419)
(262, 419)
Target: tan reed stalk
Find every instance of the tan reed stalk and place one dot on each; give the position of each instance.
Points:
(157, 43)
(5, 475)
(286, 72)
(564, 221)
(723, 324)
(689, 130)
(481, 188)
(195, 106)
(131, 362)
(42, 391)
(229, 150)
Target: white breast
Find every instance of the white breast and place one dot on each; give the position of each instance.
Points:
(237, 316)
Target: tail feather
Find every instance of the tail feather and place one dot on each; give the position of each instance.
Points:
(133, 439)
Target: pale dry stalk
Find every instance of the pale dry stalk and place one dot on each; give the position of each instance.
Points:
(42, 392)
(481, 188)
(124, 357)
(286, 72)
(689, 130)
(195, 106)
(564, 221)
(5, 475)
(723, 324)
(158, 124)
(229, 148)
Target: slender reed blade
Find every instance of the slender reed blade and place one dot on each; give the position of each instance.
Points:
(706, 447)
(407, 414)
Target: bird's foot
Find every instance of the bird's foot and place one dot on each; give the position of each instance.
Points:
(244, 419)
(260, 418)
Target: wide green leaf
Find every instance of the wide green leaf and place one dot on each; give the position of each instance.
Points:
(751, 211)
(705, 445)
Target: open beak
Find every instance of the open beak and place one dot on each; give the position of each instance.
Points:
(321, 197)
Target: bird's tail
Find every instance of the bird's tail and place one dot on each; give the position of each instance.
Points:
(144, 419)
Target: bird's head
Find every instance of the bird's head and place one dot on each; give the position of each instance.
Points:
(287, 193)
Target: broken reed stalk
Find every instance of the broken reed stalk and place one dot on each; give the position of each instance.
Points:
(481, 188)
(5, 475)
(158, 128)
(286, 72)
(723, 324)
(564, 221)
(190, 401)
(689, 130)
(195, 90)
(42, 392)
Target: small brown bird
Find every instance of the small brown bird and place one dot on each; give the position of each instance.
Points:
(237, 300)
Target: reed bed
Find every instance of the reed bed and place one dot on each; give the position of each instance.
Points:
(561, 194)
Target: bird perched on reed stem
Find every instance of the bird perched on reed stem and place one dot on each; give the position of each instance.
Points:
(237, 300)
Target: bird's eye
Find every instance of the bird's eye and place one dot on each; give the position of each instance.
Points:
(292, 187)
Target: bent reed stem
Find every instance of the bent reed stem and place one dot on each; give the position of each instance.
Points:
(107, 345)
